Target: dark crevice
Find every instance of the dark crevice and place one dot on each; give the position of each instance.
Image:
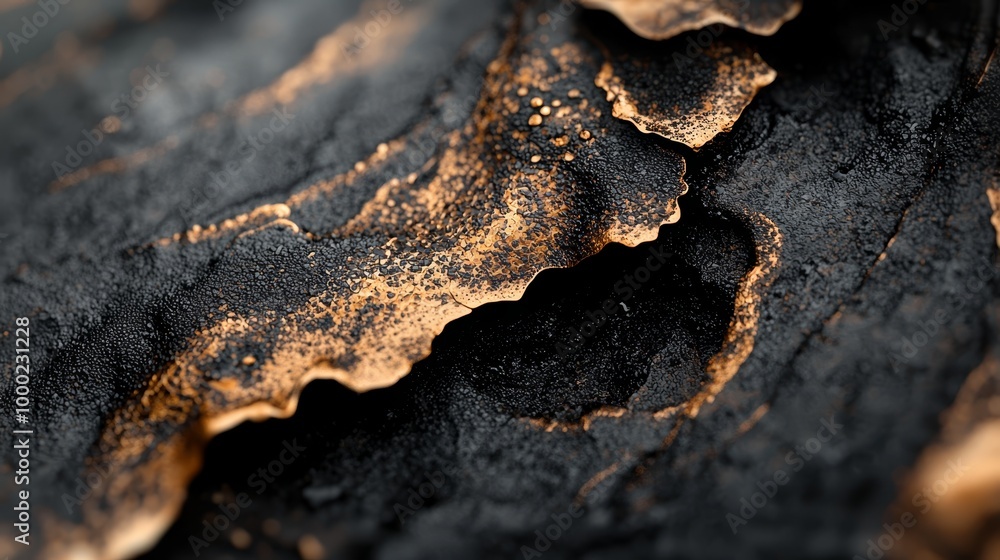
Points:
(516, 359)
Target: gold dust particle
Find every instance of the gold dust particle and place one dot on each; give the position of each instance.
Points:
(556, 103)
(561, 141)
(522, 91)
(536, 158)
(359, 166)
(574, 93)
(249, 360)
(535, 120)
(537, 102)
(271, 527)
(383, 149)
(568, 157)
(240, 538)
(111, 125)
(545, 110)
(585, 134)
(310, 548)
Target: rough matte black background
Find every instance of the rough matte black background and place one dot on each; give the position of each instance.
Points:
(860, 141)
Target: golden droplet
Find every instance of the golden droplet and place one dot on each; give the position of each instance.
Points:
(537, 102)
(271, 527)
(568, 157)
(585, 134)
(249, 360)
(545, 110)
(535, 120)
(536, 158)
(574, 93)
(240, 538)
(522, 91)
(111, 124)
(310, 548)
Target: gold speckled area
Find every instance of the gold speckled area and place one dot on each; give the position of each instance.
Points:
(663, 19)
(685, 99)
(445, 219)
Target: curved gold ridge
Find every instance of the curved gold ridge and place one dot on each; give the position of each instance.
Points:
(738, 78)
(663, 19)
(474, 222)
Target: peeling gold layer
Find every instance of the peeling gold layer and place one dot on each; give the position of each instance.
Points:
(662, 96)
(540, 176)
(663, 19)
(444, 220)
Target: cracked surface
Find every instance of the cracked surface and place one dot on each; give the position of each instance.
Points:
(843, 212)
(352, 277)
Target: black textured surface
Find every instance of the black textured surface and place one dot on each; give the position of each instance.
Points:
(871, 156)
